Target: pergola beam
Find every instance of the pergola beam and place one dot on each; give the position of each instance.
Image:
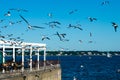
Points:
(23, 46)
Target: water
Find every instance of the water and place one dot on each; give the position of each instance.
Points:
(88, 67)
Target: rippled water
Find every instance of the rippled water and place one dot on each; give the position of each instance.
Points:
(87, 67)
(90, 67)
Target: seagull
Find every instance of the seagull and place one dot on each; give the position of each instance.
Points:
(90, 34)
(75, 26)
(69, 26)
(4, 26)
(18, 10)
(80, 41)
(65, 39)
(7, 14)
(29, 26)
(63, 35)
(92, 19)
(2, 36)
(50, 15)
(9, 35)
(44, 37)
(71, 12)
(115, 26)
(105, 2)
(59, 36)
(53, 24)
(3, 40)
(78, 27)
(2, 20)
(19, 21)
(90, 41)
(11, 23)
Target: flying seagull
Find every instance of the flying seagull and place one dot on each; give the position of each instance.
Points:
(90, 41)
(2, 20)
(59, 36)
(63, 35)
(29, 26)
(45, 37)
(80, 41)
(92, 19)
(115, 26)
(11, 23)
(19, 21)
(53, 24)
(71, 12)
(75, 26)
(90, 34)
(7, 14)
(50, 15)
(18, 10)
(105, 2)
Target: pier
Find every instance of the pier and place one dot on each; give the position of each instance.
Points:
(47, 73)
(26, 69)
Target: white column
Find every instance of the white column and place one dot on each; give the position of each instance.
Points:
(13, 53)
(3, 71)
(23, 58)
(30, 58)
(3, 53)
(44, 58)
(38, 58)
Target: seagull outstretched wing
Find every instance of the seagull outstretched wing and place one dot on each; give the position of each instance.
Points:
(37, 27)
(24, 19)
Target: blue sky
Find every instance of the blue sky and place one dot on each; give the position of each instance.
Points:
(104, 38)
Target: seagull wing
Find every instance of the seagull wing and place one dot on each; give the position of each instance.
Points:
(59, 36)
(94, 19)
(48, 38)
(115, 27)
(63, 35)
(38, 27)
(90, 19)
(57, 22)
(24, 10)
(24, 19)
(113, 23)
(71, 12)
(79, 28)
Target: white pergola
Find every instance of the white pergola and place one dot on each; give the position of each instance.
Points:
(23, 46)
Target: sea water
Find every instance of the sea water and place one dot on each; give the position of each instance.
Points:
(86, 67)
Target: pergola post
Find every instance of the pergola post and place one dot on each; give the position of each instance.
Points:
(44, 58)
(3, 71)
(23, 58)
(13, 53)
(3, 53)
(38, 58)
(30, 58)
(23, 46)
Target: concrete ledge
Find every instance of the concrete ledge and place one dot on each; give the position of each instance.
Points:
(49, 73)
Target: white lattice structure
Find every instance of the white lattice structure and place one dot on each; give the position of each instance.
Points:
(22, 46)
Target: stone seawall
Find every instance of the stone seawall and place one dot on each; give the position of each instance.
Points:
(47, 74)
